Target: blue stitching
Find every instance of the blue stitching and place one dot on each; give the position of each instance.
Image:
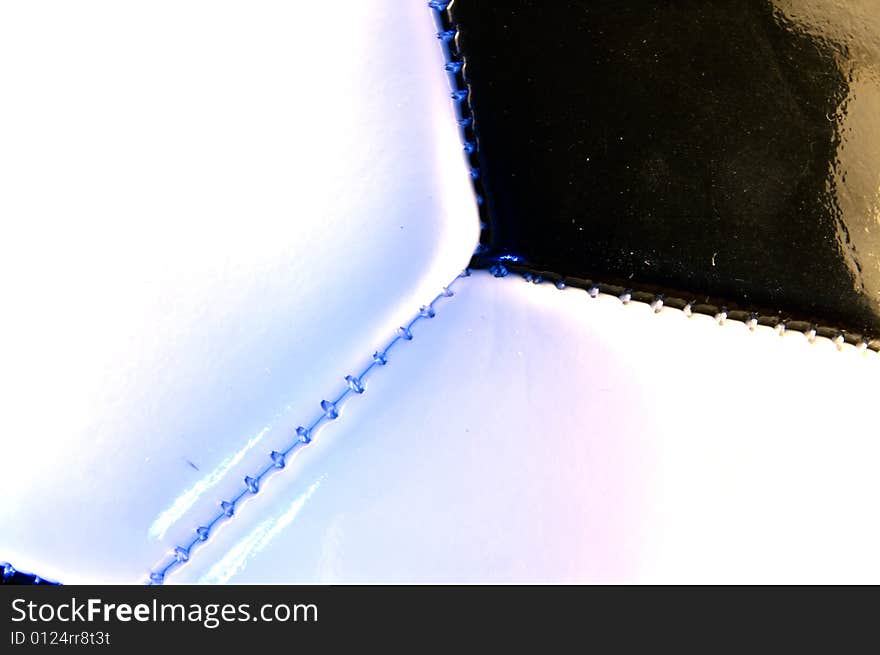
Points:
(354, 385)
(456, 67)
(10, 573)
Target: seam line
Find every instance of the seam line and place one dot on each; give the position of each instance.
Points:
(456, 68)
(720, 313)
(354, 385)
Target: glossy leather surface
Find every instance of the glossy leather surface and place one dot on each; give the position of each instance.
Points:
(525, 434)
(211, 213)
(535, 435)
(698, 147)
